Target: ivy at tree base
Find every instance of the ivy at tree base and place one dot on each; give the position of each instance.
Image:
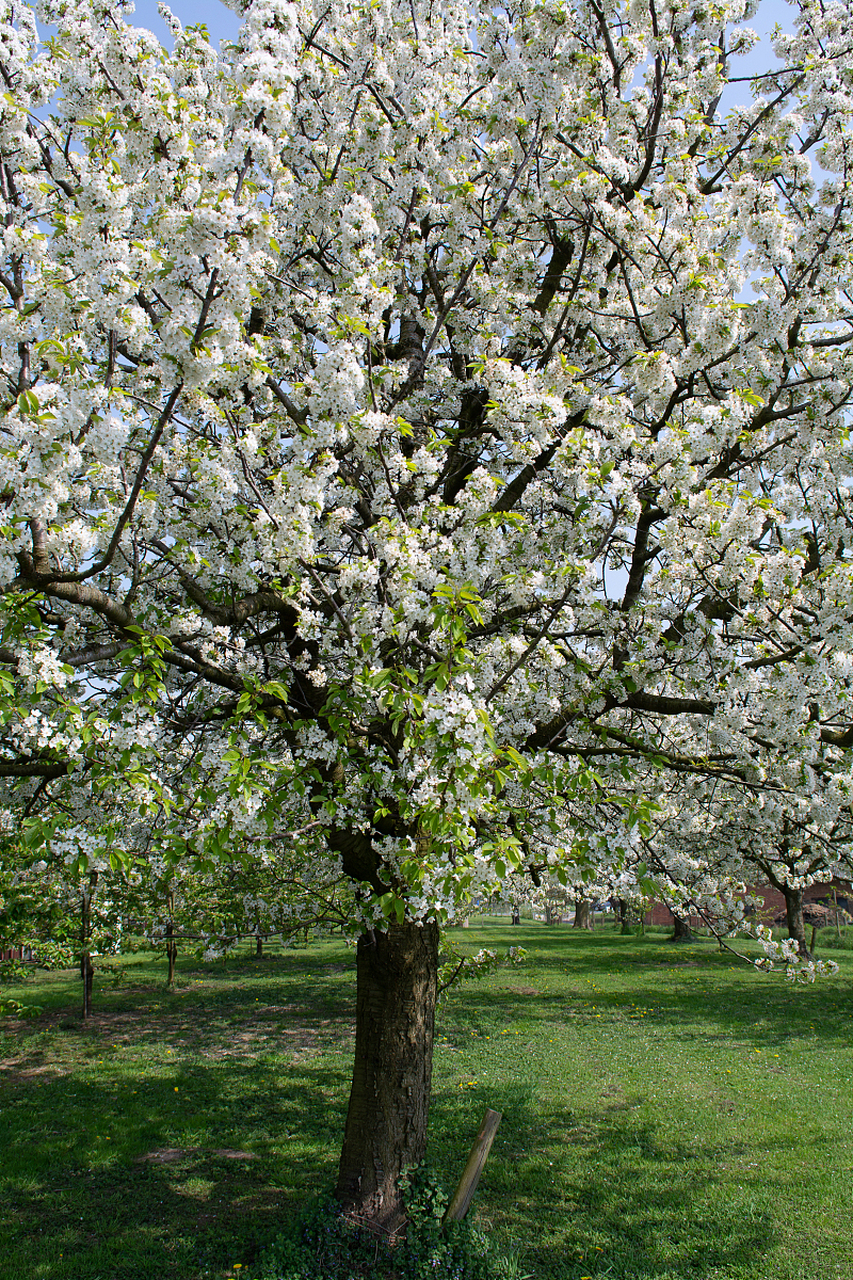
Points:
(323, 1244)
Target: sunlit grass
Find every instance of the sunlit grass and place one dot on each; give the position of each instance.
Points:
(668, 1113)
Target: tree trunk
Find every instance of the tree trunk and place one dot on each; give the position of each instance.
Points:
(87, 973)
(794, 915)
(87, 969)
(171, 944)
(682, 931)
(516, 916)
(624, 926)
(171, 956)
(386, 1125)
(259, 945)
(583, 914)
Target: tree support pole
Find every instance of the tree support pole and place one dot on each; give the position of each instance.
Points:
(464, 1193)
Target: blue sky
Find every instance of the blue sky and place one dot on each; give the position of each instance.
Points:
(223, 23)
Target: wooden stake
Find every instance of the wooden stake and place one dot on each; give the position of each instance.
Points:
(464, 1193)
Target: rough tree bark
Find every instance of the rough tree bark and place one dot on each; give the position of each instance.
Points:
(87, 969)
(794, 916)
(87, 973)
(171, 955)
(682, 931)
(386, 1125)
(171, 943)
(793, 910)
(583, 914)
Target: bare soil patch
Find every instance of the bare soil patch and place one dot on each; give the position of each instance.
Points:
(173, 1155)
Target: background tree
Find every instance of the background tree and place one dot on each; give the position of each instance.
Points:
(709, 857)
(389, 447)
(38, 914)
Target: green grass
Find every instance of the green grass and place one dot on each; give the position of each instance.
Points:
(668, 1114)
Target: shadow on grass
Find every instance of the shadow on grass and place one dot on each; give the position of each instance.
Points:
(126, 1183)
(175, 1131)
(624, 1203)
(246, 1006)
(691, 992)
(146, 1162)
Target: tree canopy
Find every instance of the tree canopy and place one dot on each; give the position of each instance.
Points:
(424, 438)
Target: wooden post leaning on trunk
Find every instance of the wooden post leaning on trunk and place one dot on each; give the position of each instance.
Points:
(464, 1193)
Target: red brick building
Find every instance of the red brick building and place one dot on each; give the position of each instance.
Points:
(828, 893)
(16, 953)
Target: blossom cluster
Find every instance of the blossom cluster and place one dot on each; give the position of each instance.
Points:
(428, 433)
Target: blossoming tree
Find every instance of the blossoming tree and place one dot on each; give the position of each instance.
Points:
(706, 853)
(392, 451)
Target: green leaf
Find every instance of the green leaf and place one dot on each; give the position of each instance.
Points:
(516, 758)
(28, 403)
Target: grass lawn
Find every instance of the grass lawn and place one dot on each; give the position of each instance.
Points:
(668, 1114)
